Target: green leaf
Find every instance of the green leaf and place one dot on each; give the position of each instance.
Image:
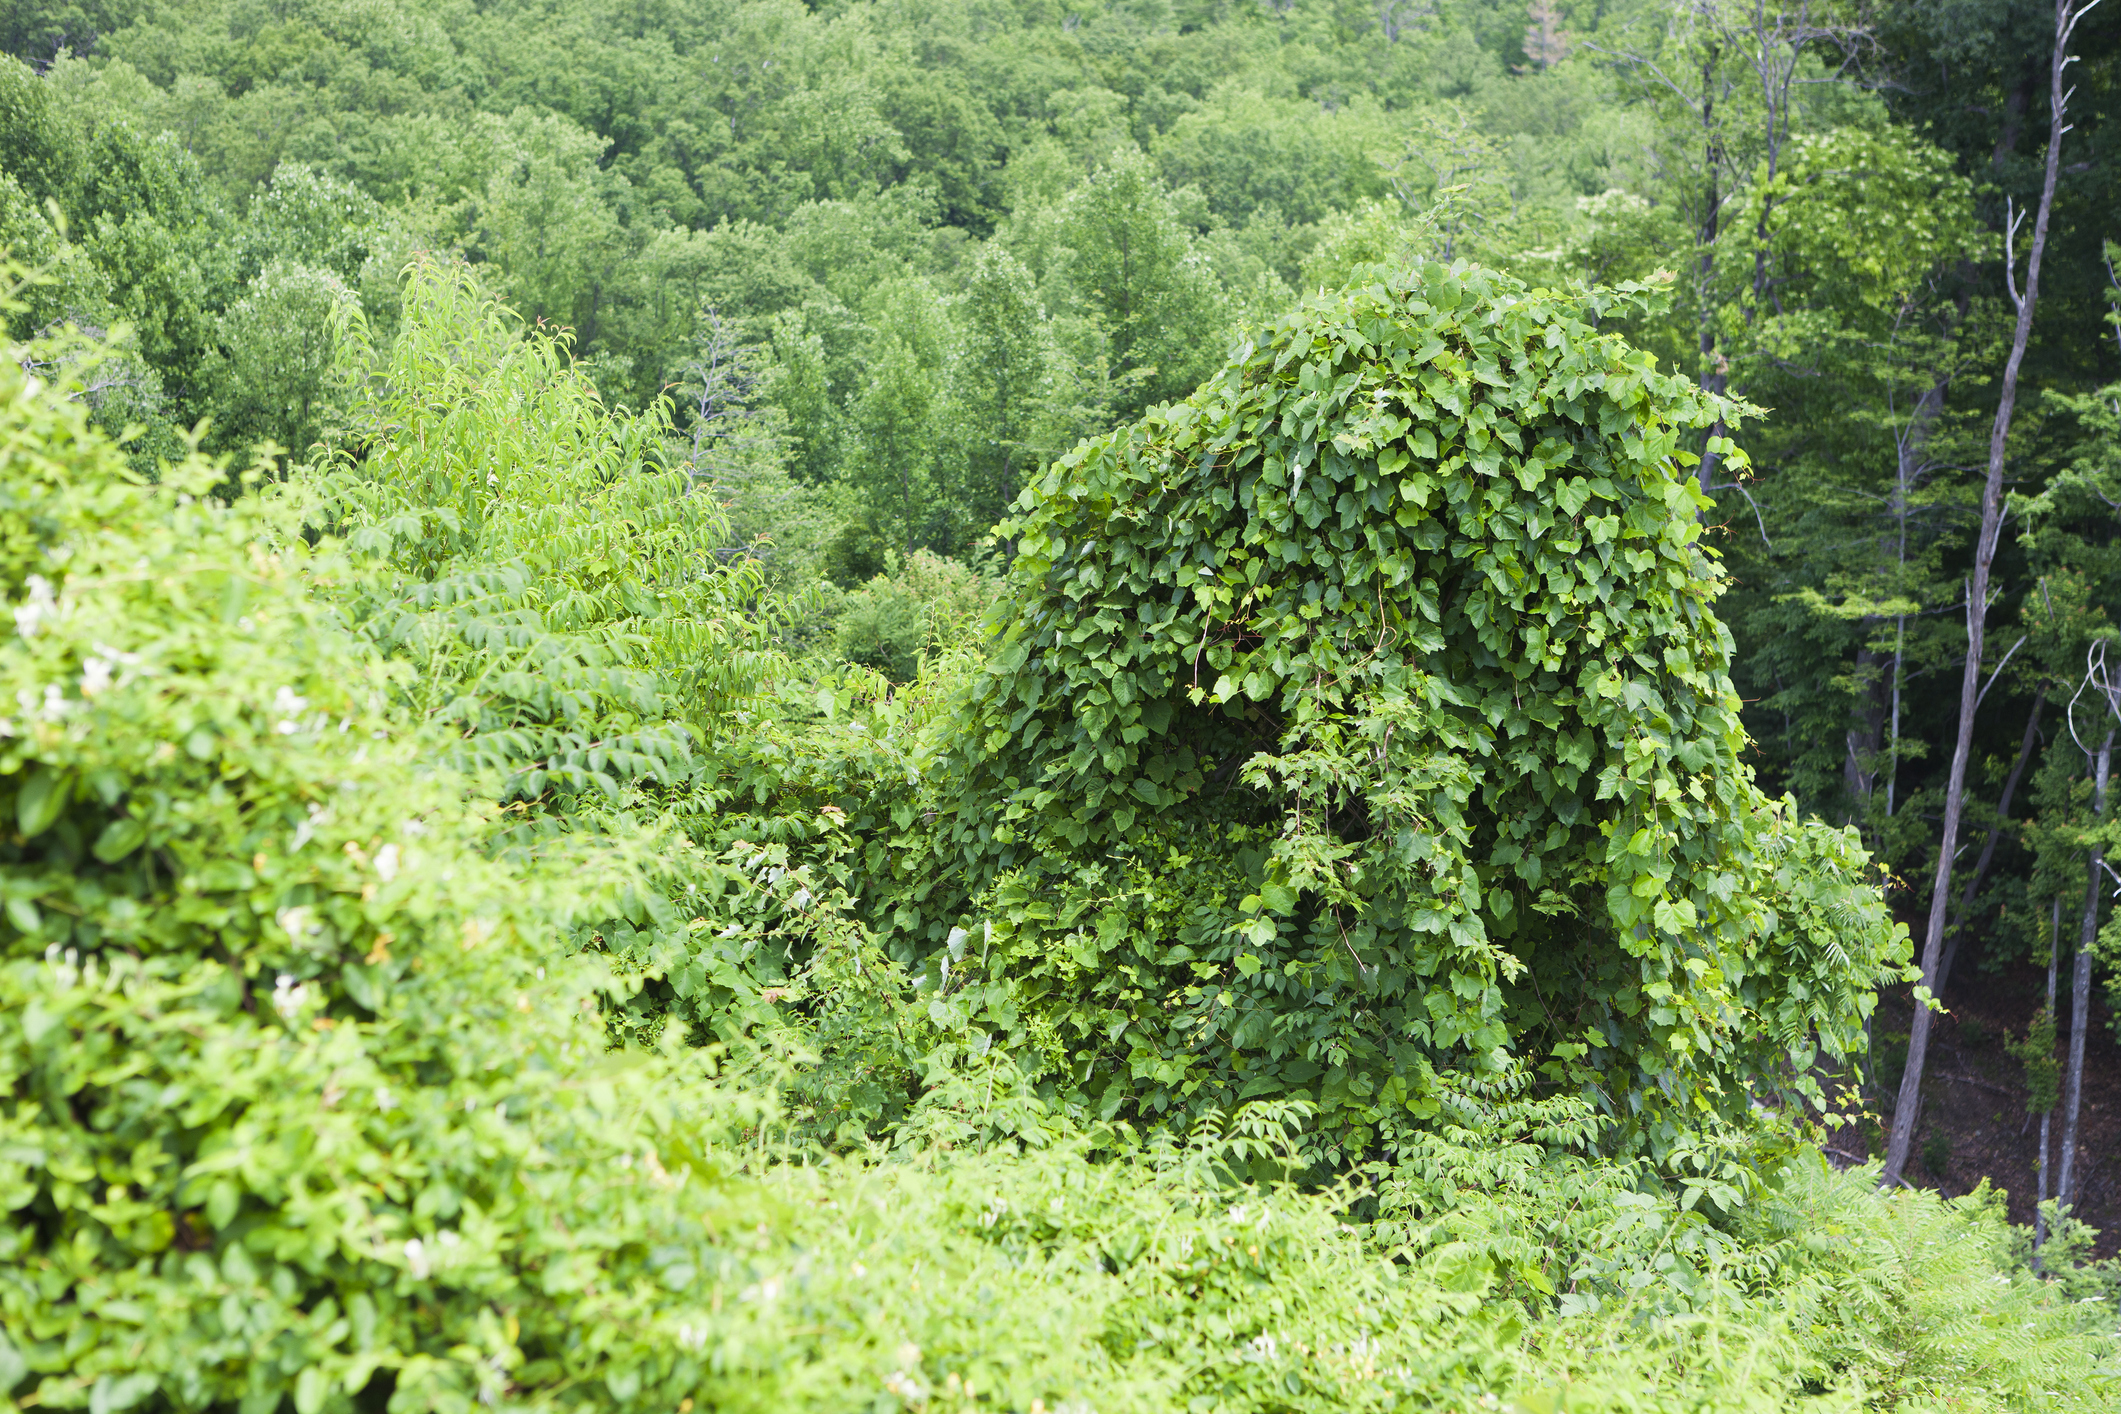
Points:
(12, 1366)
(37, 1023)
(40, 800)
(119, 838)
(110, 1395)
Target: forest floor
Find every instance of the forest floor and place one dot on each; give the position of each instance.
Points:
(1974, 1096)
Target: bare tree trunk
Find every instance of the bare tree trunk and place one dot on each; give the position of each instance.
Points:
(1909, 1102)
(2081, 983)
(1988, 847)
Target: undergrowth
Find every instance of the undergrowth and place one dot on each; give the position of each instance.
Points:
(425, 985)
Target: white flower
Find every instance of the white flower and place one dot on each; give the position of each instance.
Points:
(96, 671)
(65, 966)
(416, 1258)
(289, 996)
(286, 705)
(385, 1101)
(387, 863)
(32, 612)
(51, 708)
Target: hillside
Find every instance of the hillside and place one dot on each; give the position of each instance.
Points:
(902, 705)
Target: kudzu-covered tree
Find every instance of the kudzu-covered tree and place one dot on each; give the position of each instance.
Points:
(1367, 714)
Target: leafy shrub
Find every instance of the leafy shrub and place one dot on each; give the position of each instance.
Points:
(1918, 1300)
(576, 627)
(1365, 715)
(575, 611)
(893, 621)
(295, 1106)
(2043, 1069)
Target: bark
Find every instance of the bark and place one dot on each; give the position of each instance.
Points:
(2081, 986)
(1909, 1103)
(1988, 847)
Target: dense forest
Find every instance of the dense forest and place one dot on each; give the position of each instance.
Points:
(1185, 706)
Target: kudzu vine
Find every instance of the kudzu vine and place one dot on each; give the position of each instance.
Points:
(1366, 715)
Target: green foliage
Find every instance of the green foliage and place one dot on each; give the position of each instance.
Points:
(1352, 788)
(1010, 377)
(1917, 1300)
(894, 621)
(1118, 241)
(2068, 1259)
(2043, 1069)
(1364, 716)
(310, 1091)
(568, 600)
(282, 367)
(293, 1109)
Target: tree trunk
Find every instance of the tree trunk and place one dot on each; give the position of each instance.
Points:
(2054, 944)
(1988, 847)
(1909, 1103)
(2081, 985)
